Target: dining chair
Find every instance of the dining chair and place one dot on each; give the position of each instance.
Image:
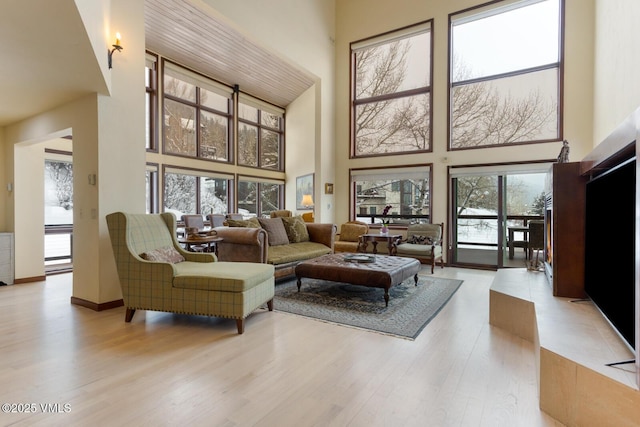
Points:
(234, 216)
(194, 222)
(536, 241)
(216, 220)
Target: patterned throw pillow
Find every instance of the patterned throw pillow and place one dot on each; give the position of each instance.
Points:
(249, 223)
(296, 229)
(420, 240)
(276, 232)
(166, 254)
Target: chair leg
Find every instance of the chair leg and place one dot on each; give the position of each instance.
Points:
(240, 324)
(270, 304)
(433, 264)
(129, 314)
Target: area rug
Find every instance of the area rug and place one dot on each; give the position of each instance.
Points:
(410, 308)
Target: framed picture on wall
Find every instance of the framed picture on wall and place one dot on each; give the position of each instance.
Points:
(328, 188)
(304, 192)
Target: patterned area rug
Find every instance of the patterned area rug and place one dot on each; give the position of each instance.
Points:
(410, 307)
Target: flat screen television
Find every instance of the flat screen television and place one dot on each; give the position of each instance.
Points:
(610, 247)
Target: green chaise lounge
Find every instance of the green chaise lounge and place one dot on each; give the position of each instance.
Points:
(157, 274)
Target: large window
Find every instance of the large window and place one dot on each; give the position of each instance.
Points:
(260, 134)
(197, 115)
(505, 74)
(406, 189)
(258, 197)
(194, 191)
(391, 92)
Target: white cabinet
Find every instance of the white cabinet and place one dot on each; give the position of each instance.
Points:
(6, 258)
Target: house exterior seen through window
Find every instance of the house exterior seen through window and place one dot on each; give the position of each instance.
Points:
(406, 189)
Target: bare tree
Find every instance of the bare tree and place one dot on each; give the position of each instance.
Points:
(61, 174)
(386, 123)
(476, 192)
(481, 116)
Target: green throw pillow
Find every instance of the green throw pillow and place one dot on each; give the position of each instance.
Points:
(296, 229)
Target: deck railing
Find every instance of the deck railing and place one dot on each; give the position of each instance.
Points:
(58, 243)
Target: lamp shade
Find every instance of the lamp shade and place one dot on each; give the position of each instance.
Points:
(306, 200)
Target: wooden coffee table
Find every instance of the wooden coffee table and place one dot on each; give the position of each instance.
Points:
(385, 272)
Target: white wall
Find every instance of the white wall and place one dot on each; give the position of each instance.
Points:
(301, 32)
(29, 194)
(617, 52)
(300, 143)
(109, 141)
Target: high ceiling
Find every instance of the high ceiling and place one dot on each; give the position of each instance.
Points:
(196, 37)
(47, 61)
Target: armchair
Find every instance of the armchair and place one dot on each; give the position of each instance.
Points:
(423, 242)
(349, 236)
(280, 213)
(157, 274)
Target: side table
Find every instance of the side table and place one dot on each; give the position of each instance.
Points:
(210, 241)
(390, 239)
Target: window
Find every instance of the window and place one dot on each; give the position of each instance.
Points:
(258, 197)
(505, 74)
(406, 189)
(197, 115)
(260, 134)
(194, 191)
(58, 209)
(58, 187)
(151, 100)
(151, 183)
(391, 92)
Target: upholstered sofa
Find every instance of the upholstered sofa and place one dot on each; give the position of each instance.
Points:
(423, 242)
(281, 242)
(157, 274)
(347, 240)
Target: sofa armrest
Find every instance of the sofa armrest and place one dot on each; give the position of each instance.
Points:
(322, 233)
(241, 244)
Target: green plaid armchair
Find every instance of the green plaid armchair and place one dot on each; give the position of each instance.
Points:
(157, 274)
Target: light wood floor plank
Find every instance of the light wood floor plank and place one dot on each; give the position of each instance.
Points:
(166, 369)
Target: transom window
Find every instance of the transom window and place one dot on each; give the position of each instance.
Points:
(391, 92)
(198, 115)
(505, 74)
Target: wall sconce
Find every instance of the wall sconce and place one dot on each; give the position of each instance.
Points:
(307, 201)
(117, 47)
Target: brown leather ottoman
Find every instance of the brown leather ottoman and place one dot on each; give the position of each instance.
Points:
(385, 272)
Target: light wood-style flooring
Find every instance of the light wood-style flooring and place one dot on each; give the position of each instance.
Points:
(164, 369)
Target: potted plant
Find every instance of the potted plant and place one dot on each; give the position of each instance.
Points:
(384, 229)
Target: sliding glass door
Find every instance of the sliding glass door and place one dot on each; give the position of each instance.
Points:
(491, 211)
(477, 228)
